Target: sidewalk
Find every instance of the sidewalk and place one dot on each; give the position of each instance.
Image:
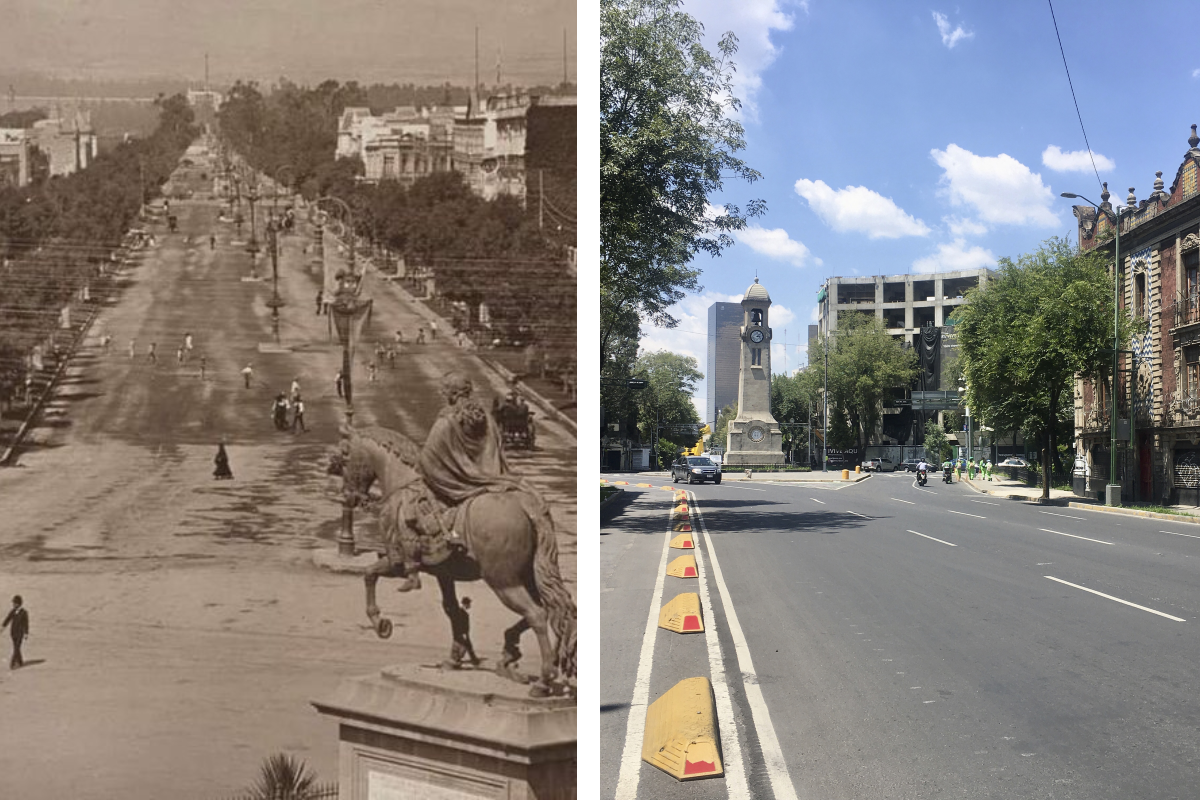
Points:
(1000, 486)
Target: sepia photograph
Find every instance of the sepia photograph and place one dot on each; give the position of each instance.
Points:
(899, 453)
(288, 399)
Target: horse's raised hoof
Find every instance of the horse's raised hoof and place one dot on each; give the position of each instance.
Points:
(383, 628)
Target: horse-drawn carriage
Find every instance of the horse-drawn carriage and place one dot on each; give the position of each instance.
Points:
(515, 421)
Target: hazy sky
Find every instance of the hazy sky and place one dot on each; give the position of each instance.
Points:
(424, 41)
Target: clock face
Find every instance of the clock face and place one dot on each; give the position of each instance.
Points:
(756, 336)
(757, 434)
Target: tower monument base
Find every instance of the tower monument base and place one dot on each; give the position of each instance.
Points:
(754, 443)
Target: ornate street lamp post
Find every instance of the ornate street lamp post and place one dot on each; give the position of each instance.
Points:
(1112, 490)
(252, 197)
(276, 301)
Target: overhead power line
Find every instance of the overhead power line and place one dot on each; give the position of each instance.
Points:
(1069, 83)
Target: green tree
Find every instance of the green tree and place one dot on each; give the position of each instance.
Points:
(720, 434)
(936, 443)
(1029, 331)
(284, 777)
(668, 138)
(864, 363)
(667, 399)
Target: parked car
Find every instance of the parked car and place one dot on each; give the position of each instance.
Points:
(695, 469)
(1013, 461)
(879, 465)
(910, 465)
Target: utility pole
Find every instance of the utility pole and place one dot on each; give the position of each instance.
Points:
(564, 57)
(541, 193)
(476, 87)
(825, 415)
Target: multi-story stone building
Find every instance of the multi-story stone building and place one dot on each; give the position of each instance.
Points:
(69, 145)
(1158, 392)
(15, 146)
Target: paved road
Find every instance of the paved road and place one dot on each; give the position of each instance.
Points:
(911, 643)
(180, 629)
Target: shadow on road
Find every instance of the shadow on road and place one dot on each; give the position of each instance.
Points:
(607, 707)
(609, 516)
(745, 516)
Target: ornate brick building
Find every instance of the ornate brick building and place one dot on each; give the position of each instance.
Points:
(1159, 380)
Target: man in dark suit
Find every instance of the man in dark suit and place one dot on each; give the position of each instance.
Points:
(19, 619)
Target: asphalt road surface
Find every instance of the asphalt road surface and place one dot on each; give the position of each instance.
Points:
(912, 643)
(179, 626)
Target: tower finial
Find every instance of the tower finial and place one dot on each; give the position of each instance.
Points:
(1194, 140)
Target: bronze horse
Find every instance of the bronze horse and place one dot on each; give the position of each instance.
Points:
(504, 548)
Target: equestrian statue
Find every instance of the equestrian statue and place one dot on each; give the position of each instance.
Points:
(452, 510)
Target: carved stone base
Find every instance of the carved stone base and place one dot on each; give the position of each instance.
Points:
(413, 731)
(754, 443)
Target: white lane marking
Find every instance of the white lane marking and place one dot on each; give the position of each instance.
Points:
(815, 500)
(1110, 597)
(777, 770)
(936, 540)
(1188, 535)
(855, 513)
(735, 768)
(635, 727)
(1068, 516)
(1073, 536)
(985, 502)
(965, 514)
(898, 500)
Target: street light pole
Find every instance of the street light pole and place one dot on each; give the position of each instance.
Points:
(1112, 473)
(825, 413)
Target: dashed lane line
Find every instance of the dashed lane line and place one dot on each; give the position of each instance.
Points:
(855, 513)
(777, 771)
(1068, 516)
(965, 514)
(898, 500)
(1110, 597)
(1073, 536)
(815, 500)
(934, 539)
(985, 502)
(1188, 535)
(635, 728)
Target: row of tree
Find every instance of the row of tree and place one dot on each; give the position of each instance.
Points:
(55, 232)
(479, 250)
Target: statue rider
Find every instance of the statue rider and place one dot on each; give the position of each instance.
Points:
(462, 457)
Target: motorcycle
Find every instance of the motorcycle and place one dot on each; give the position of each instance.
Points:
(946, 476)
(922, 478)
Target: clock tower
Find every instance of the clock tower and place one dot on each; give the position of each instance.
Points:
(754, 438)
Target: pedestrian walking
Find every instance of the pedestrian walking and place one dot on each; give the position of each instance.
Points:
(279, 411)
(371, 371)
(212, 241)
(106, 343)
(179, 355)
(421, 335)
(152, 353)
(320, 301)
(132, 348)
(988, 469)
(222, 471)
(433, 330)
(298, 415)
(399, 338)
(188, 344)
(391, 357)
(295, 390)
(247, 374)
(17, 623)
(339, 383)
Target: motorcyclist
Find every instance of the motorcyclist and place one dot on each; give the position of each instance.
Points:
(947, 471)
(922, 471)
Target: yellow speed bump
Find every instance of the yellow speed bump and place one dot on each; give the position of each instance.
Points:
(684, 526)
(644, 486)
(683, 542)
(681, 732)
(682, 567)
(682, 614)
(680, 510)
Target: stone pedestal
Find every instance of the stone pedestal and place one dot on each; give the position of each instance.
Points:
(754, 443)
(418, 732)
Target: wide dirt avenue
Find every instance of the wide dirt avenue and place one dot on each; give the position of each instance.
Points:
(887, 641)
(179, 625)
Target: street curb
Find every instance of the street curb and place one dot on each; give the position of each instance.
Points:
(771, 477)
(1052, 501)
(1133, 512)
(619, 491)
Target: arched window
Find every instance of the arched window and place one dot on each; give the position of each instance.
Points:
(756, 316)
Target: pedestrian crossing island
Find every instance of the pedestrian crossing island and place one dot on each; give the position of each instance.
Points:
(681, 732)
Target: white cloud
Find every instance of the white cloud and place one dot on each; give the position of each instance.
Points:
(953, 256)
(752, 21)
(951, 37)
(775, 243)
(1000, 189)
(1075, 160)
(857, 208)
(1196, 73)
(965, 227)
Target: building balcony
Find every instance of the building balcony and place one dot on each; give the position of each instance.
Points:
(1185, 311)
(1181, 410)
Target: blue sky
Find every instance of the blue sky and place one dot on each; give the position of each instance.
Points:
(899, 137)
